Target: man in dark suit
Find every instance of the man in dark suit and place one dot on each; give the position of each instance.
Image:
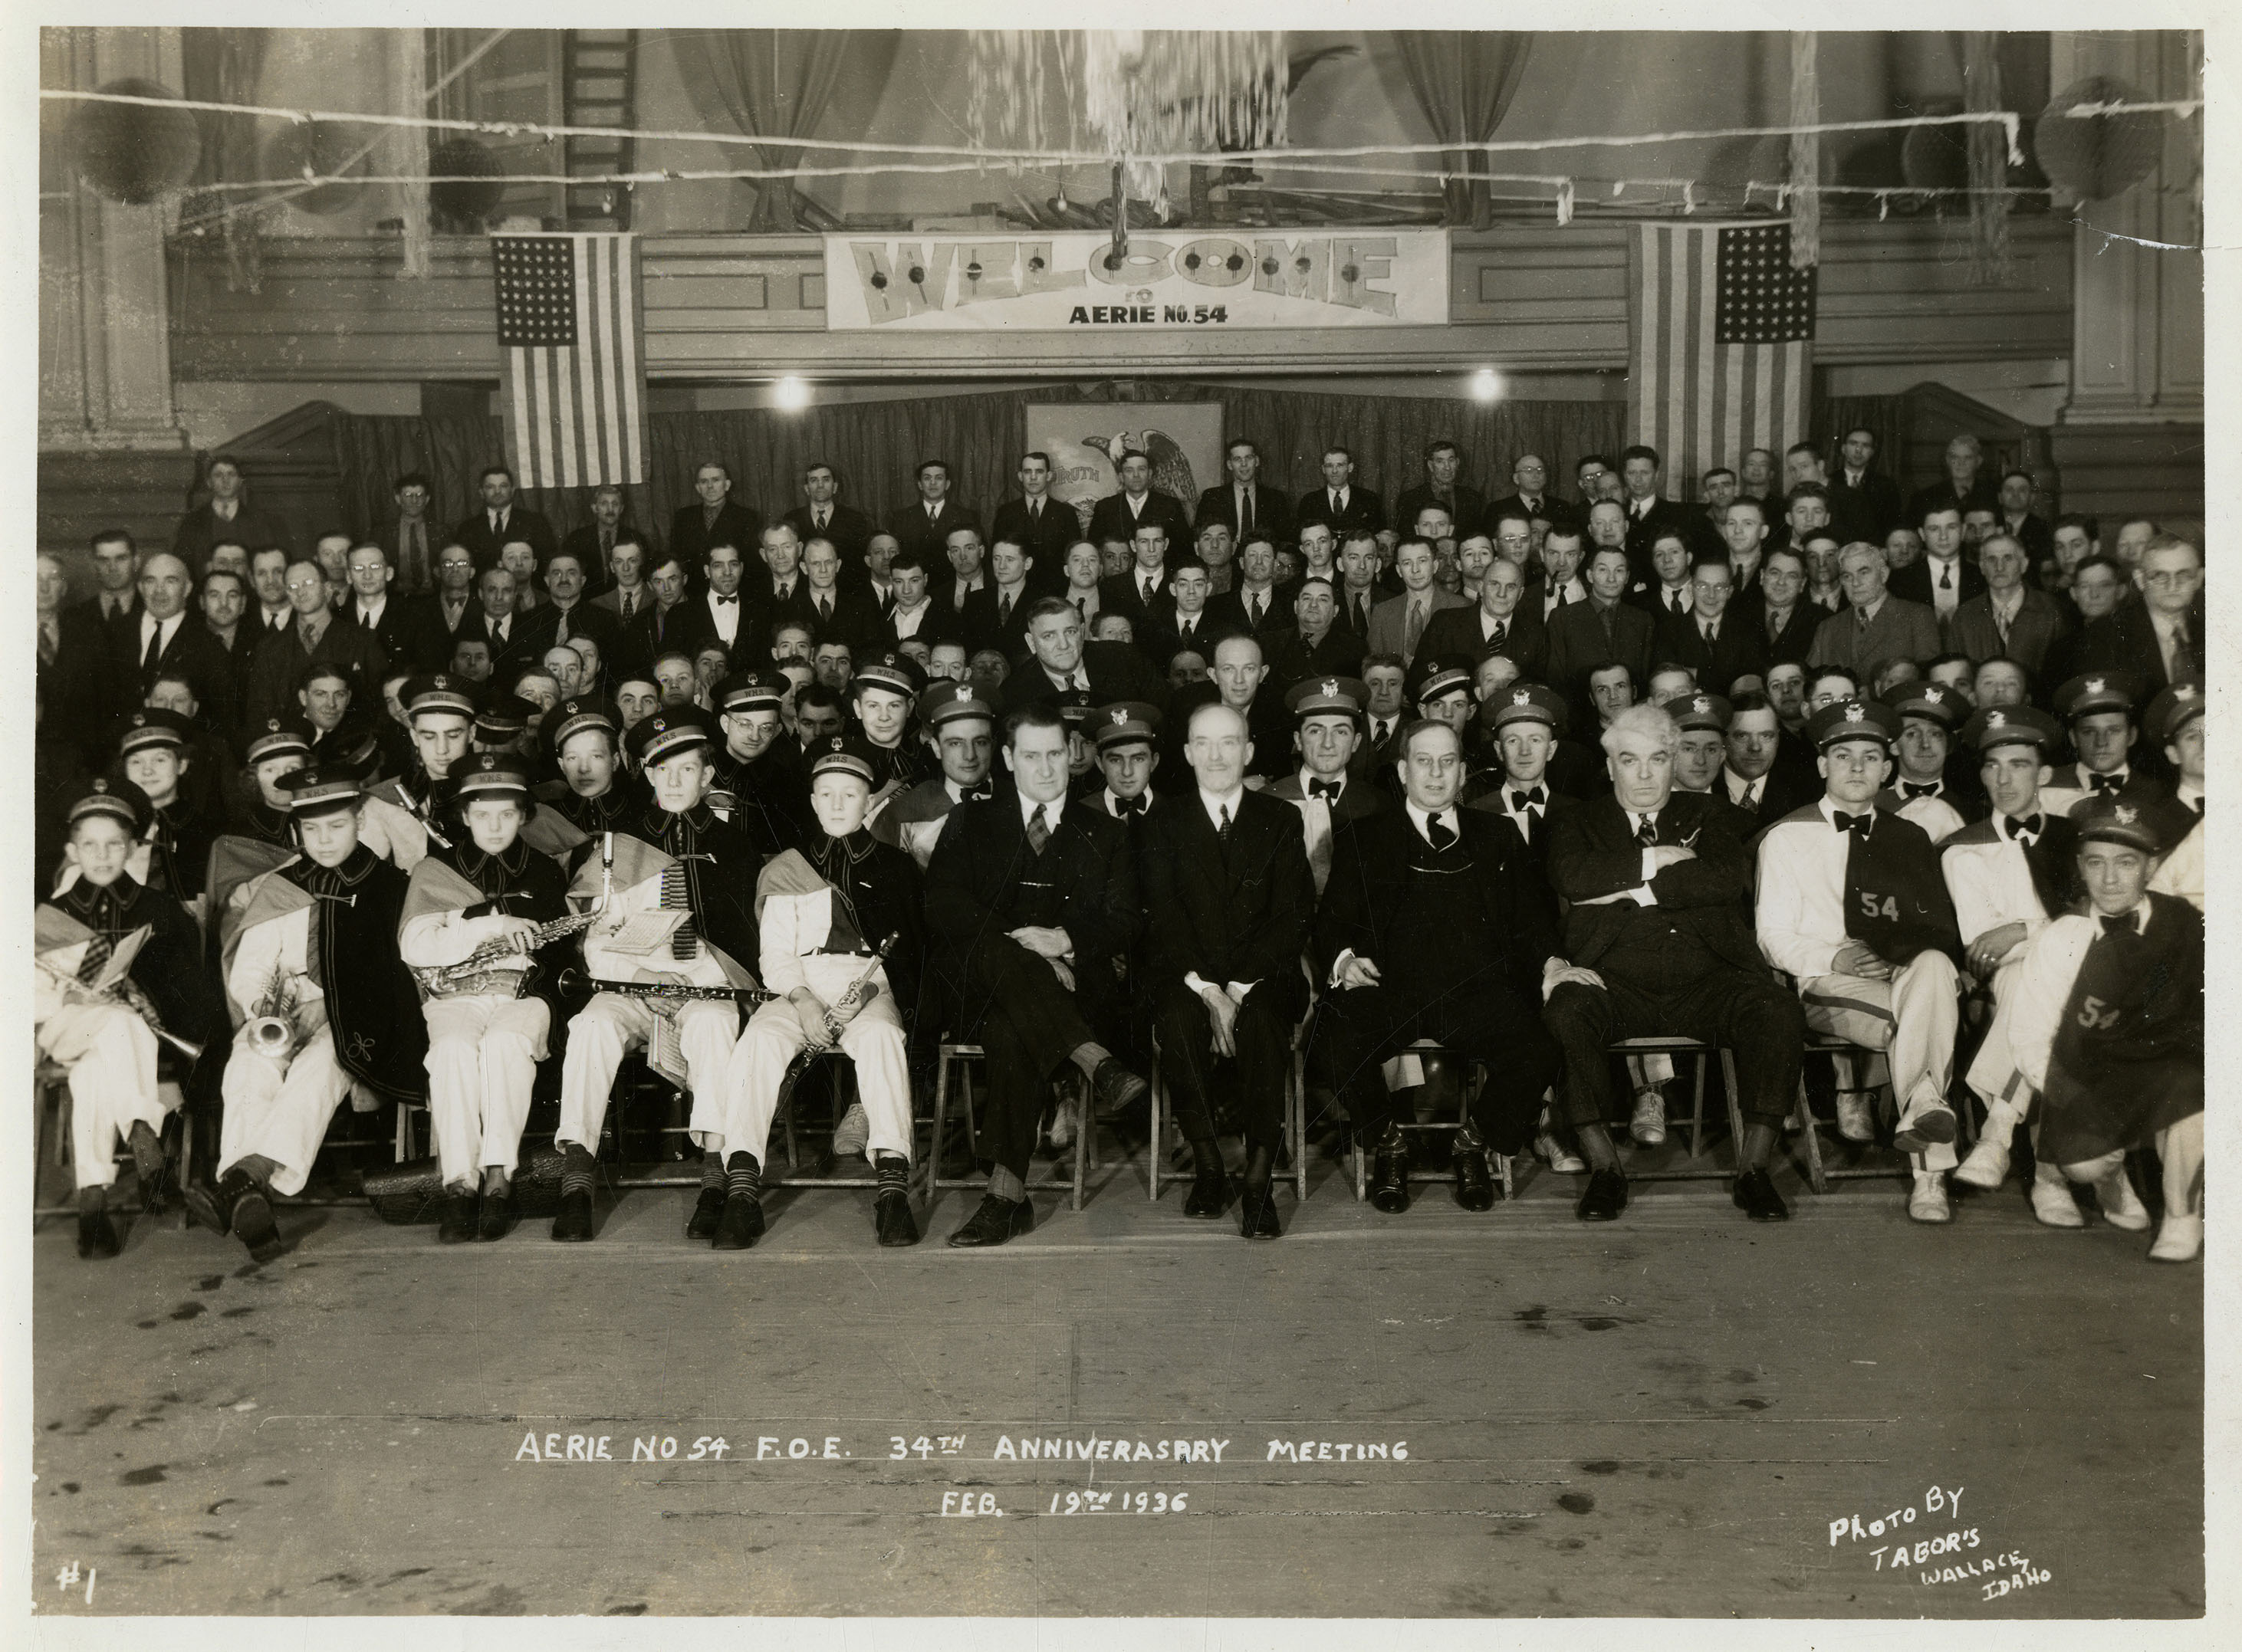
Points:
(1649, 513)
(1316, 645)
(1141, 594)
(996, 615)
(502, 519)
(1530, 497)
(1752, 780)
(515, 638)
(595, 542)
(1500, 622)
(1718, 647)
(1328, 715)
(172, 642)
(225, 601)
(441, 616)
(1874, 626)
(1184, 621)
(717, 519)
(1605, 630)
(1230, 897)
(1238, 677)
(374, 606)
(1775, 608)
(1946, 577)
(316, 638)
(1864, 503)
(1254, 604)
(926, 527)
(850, 528)
(1466, 505)
(1962, 488)
(2159, 639)
(1060, 662)
(1039, 524)
(1245, 504)
(571, 613)
(1656, 883)
(1029, 899)
(1138, 506)
(1340, 504)
(2012, 619)
(227, 515)
(1431, 927)
(837, 608)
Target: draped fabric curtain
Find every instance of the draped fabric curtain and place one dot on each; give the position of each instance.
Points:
(875, 447)
(773, 83)
(221, 66)
(1465, 80)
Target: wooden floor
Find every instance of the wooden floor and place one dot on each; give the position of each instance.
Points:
(1661, 1417)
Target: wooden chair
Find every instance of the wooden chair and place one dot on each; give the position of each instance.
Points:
(1296, 1116)
(1465, 1093)
(50, 1089)
(1664, 1045)
(956, 1058)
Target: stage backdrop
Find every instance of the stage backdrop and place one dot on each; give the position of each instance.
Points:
(1087, 439)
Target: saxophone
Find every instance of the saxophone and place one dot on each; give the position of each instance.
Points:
(272, 1026)
(436, 979)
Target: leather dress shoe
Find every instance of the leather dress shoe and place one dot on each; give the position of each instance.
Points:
(707, 1211)
(149, 1169)
(1389, 1171)
(205, 1207)
(993, 1221)
(891, 1219)
(251, 1221)
(1210, 1190)
(1930, 1126)
(497, 1217)
(1116, 1087)
(1256, 1213)
(1474, 1179)
(740, 1225)
(460, 1220)
(1605, 1198)
(572, 1223)
(97, 1235)
(1756, 1197)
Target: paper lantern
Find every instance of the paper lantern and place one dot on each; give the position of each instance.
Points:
(2097, 156)
(469, 202)
(324, 152)
(133, 152)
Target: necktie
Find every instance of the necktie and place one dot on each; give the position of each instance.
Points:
(1362, 616)
(154, 651)
(1913, 789)
(1646, 832)
(629, 603)
(1413, 630)
(1039, 832)
(1150, 587)
(1710, 635)
(1323, 789)
(498, 631)
(932, 511)
(1858, 825)
(1533, 798)
(1034, 511)
(818, 517)
(1377, 732)
(1244, 509)
(2195, 804)
(1750, 798)
(825, 611)
(1081, 610)
(1253, 613)
(1226, 826)
(685, 942)
(1438, 833)
(498, 521)
(2182, 662)
(2122, 924)
(2101, 783)
(1124, 807)
(416, 555)
(2025, 831)
(1680, 602)
(97, 957)
(1003, 608)
(1946, 577)
(49, 641)
(1499, 636)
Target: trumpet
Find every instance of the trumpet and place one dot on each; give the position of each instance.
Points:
(127, 993)
(495, 954)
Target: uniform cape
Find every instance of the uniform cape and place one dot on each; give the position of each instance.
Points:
(2128, 1055)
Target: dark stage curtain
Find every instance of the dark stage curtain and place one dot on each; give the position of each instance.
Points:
(776, 82)
(875, 447)
(1885, 415)
(1464, 80)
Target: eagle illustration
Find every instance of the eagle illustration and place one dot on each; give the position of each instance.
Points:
(1172, 471)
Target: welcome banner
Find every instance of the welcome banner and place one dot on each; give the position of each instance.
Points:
(1184, 279)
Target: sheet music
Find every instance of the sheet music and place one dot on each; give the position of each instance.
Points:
(642, 932)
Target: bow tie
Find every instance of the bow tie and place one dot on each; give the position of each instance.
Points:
(2124, 924)
(982, 792)
(1124, 807)
(1911, 789)
(1325, 789)
(1533, 797)
(2026, 830)
(1858, 825)
(2107, 782)
(722, 601)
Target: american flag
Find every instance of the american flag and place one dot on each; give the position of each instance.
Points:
(1722, 350)
(572, 359)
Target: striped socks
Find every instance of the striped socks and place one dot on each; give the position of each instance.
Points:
(894, 1172)
(743, 1177)
(577, 1169)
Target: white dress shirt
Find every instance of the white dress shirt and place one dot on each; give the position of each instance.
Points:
(908, 620)
(1945, 597)
(1800, 920)
(725, 615)
(150, 626)
(1991, 885)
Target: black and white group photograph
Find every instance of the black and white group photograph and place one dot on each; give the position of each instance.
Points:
(1173, 836)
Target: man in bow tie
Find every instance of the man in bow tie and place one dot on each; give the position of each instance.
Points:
(1920, 789)
(1330, 714)
(1128, 754)
(2100, 710)
(1851, 904)
(959, 721)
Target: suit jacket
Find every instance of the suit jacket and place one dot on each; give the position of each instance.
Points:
(2031, 633)
(1389, 622)
(1593, 852)
(914, 531)
(1234, 912)
(1161, 634)
(850, 530)
(1292, 658)
(398, 632)
(983, 628)
(583, 543)
(1792, 643)
(1227, 609)
(1046, 538)
(1779, 794)
(193, 653)
(1984, 495)
(1364, 510)
(1272, 512)
(1552, 510)
(1467, 508)
(1869, 512)
(527, 637)
(282, 660)
(1112, 519)
(855, 621)
(1663, 516)
(433, 636)
(1116, 671)
(1268, 724)
(1578, 645)
(1913, 581)
(1124, 594)
(691, 535)
(483, 543)
(1462, 632)
(1902, 630)
(603, 626)
(254, 529)
(1370, 864)
(1740, 648)
(2125, 639)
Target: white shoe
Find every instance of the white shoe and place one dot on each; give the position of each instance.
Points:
(2180, 1240)
(1927, 1201)
(1560, 1157)
(1065, 1120)
(1856, 1117)
(2052, 1201)
(1987, 1167)
(2121, 1206)
(852, 1132)
(1649, 1125)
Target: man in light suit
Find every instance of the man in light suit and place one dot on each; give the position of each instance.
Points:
(1396, 625)
(2012, 619)
(1877, 626)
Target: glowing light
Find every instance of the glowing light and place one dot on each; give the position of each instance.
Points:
(790, 394)
(1486, 385)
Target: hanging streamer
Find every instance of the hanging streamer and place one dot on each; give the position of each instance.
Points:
(1989, 205)
(1806, 152)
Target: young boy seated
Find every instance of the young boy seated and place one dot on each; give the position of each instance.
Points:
(101, 1034)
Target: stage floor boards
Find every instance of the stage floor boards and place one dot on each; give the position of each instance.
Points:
(1662, 1416)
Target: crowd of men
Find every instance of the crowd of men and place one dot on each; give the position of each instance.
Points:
(397, 817)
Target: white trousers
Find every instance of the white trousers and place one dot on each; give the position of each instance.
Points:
(873, 1042)
(110, 1056)
(281, 1112)
(1912, 1018)
(2180, 1146)
(612, 1025)
(483, 1051)
(1993, 1076)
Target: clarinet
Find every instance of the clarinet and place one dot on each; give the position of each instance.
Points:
(851, 995)
(573, 980)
